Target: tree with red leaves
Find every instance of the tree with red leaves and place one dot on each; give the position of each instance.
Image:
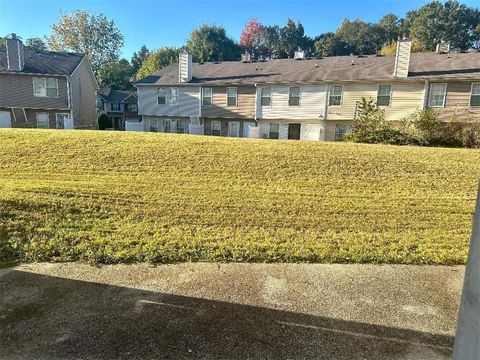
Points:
(252, 36)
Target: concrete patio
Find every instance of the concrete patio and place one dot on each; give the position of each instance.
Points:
(234, 311)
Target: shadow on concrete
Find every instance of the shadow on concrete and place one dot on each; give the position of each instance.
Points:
(44, 317)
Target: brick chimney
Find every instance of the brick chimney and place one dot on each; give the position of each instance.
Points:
(185, 67)
(15, 53)
(402, 58)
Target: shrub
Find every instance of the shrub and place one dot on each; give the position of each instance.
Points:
(104, 122)
(369, 126)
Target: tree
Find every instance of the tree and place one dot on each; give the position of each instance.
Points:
(252, 37)
(390, 27)
(329, 44)
(116, 74)
(360, 37)
(451, 21)
(81, 31)
(292, 37)
(36, 44)
(270, 41)
(157, 60)
(139, 57)
(211, 43)
(391, 48)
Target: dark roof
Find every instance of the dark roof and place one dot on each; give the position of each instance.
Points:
(339, 68)
(45, 62)
(114, 95)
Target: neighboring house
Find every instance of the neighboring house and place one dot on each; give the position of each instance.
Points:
(44, 89)
(120, 107)
(310, 99)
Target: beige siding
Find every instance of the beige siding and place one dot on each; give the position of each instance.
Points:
(312, 104)
(188, 102)
(245, 108)
(83, 97)
(457, 103)
(16, 90)
(407, 97)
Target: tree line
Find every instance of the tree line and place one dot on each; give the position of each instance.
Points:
(99, 37)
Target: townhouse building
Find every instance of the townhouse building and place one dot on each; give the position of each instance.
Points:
(45, 89)
(119, 106)
(307, 99)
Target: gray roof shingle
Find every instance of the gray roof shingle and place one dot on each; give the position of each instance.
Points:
(114, 95)
(45, 62)
(340, 68)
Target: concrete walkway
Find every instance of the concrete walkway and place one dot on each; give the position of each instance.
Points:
(228, 311)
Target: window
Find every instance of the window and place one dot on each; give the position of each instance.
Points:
(167, 96)
(207, 96)
(436, 97)
(274, 130)
(216, 128)
(234, 128)
(341, 131)
(43, 120)
(231, 96)
(154, 125)
(182, 127)
(294, 96)
(335, 95)
(266, 96)
(173, 96)
(162, 96)
(475, 95)
(60, 119)
(102, 105)
(132, 107)
(115, 106)
(384, 95)
(45, 87)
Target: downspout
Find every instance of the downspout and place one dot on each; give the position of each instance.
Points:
(68, 97)
(425, 95)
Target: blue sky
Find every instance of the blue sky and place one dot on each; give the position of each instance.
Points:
(168, 23)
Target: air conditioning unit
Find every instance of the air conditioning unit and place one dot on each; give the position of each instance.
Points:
(299, 55)
(246, 57)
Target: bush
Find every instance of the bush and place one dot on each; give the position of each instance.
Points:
(104, 122)
(369, 126)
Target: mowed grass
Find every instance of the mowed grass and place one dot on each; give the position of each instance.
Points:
(123, 197)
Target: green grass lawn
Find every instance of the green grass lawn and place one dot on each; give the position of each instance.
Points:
(122, 197)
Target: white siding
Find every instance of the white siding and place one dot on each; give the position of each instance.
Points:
(312, 104)
(188, 102)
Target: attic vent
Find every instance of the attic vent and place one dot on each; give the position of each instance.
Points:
(246, 57)
(443, 47)
(299, 55)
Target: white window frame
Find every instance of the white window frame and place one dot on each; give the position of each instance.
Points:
(262, 96)
(471, 94)
(184, 126)
(164, 126)
(211, 96)
(236, 96)
(67, 115)
(170, 96)
(48, 119)
(389, 96)
(270, 130)
(211, 127)
(128, 107)
(330, 95)
(444, 95)
(45, 79)
(347, 126)
(115, 102)
(164, 95)
(299, 95)
(157, 125)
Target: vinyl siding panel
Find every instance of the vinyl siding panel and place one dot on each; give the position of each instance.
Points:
(16, 90)
(83, 97)
(457, 103)
(18, 119)
(312, 104)
(406, 98)
(245, 108)
(188, 102)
